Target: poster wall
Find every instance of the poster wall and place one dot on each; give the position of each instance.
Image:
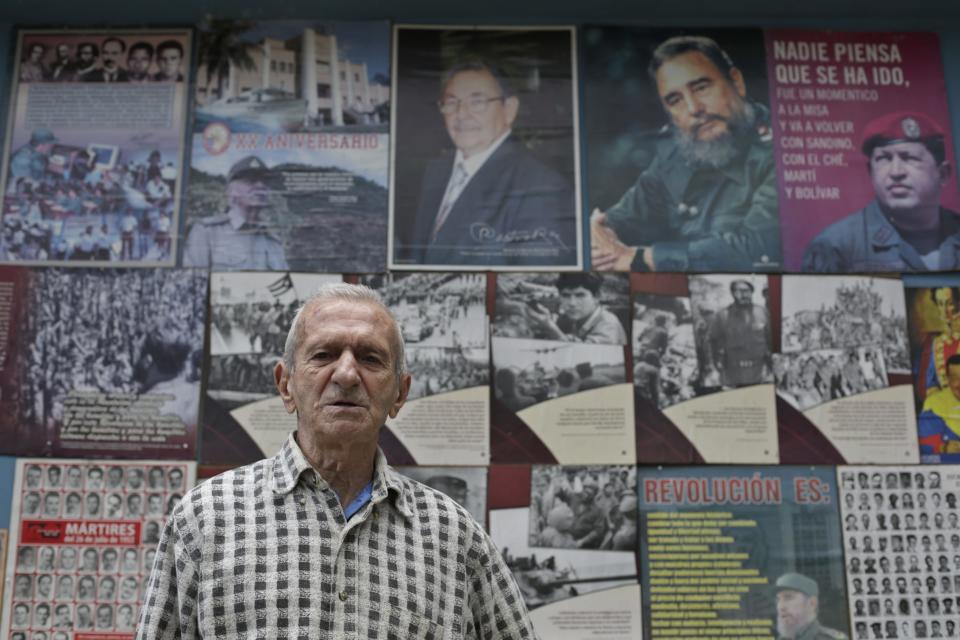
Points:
(102, 360)
(932, 305)
(250, 314)
(560, 369)
(485, 165)
(446, 419)
(702, 368)
(569, 535)
(843, 370)
(289, 153)
(753, 552)
(92, 169)
(901, 541)
(850, 112)
(83, 537)
(681, 173)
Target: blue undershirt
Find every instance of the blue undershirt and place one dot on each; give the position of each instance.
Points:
(359, 502)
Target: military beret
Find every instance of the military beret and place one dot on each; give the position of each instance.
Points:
(797, 582)
(42, 136)
(249, 166)
(902, 126)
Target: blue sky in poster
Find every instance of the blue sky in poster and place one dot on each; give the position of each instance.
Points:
(357, 41)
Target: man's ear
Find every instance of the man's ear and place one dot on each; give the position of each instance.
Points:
(403, 390)
(282, 379)
(512, 106)
(738, 82)
(946, 171)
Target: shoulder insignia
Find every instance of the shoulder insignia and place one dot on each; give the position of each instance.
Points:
(883, 235)
(215, 220)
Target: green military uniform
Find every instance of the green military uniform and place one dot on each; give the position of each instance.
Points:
(215, 243)
(810, 588)
(816, 631)
(699, 218)
(739, 339)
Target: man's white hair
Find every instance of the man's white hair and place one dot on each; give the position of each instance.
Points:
(352, 293)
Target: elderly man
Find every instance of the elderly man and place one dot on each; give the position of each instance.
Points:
(739, 339)
(903, 228)
(493, 203)
(708, 201)
(238, 240)
(798, 602)
(324, 539)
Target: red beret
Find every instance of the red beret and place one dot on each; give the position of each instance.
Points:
(902, 126)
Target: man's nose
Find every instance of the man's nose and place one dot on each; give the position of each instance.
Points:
(345, 373)
(693, 103)
(897, 166)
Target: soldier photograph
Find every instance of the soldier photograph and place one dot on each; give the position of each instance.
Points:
(904, 228)
(684, 178)
(732, 329)
(238, 239)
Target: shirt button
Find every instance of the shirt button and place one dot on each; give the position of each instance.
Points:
(343, 596)
(764, 259)
(681, 208)
(694, 211)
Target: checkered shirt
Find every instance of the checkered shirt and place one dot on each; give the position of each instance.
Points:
(264, 552)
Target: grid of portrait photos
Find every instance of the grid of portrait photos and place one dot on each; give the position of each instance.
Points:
(901, 534)
(84, 539)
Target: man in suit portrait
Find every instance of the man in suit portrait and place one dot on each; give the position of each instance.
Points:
(493, 202)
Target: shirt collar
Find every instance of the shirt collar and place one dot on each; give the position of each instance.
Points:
(290, 463)
(472, 164)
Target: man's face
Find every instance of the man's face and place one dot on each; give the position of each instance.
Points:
(138, 62)
(169, 62)
(31, 503)
(93, 503)
(473, 131)
(248, 192)
(36, 52)
(577, 303)
(906, 176)
(51, 504)
(112, 52)
(85, 53)
(63, 52)
(343, 384)
(795, 611)
(701, 100)
(33, 476)
(742, 294)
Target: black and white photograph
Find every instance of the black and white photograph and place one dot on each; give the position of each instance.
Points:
(588, 507)
(444, 323)
(732, 330)
(527, 372)
(551, 575)
(665, 366)
(484, 168)
(902, 553)
(841, 312)
(466, 485)
(103, 356)
(250, 314)
(569, 307)
(810, 378)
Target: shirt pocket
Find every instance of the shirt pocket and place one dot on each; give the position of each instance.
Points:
(405, 624)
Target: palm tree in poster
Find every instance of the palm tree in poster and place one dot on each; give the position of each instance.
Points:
(221, 46)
